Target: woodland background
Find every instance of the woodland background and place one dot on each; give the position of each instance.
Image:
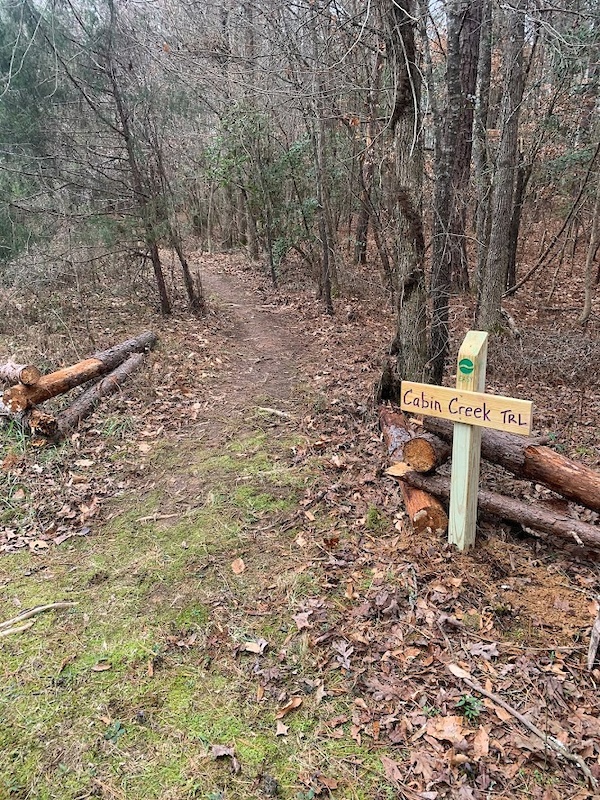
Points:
(414, 147)
(244, 610)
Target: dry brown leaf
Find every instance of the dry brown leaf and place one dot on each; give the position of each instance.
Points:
(238, 566)
(391, 770)
(102, 666)
(281, 730)
(481, 743)
(457, 671)
(259, 646)
(293, 703)
(301, 619)
(502, 714)
(447, 729)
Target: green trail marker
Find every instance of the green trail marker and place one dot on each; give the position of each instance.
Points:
(466, 366)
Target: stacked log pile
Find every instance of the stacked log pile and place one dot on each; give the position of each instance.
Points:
(417, 452)
(106, 371)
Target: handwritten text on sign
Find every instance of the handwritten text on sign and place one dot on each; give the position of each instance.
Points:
(471, 408)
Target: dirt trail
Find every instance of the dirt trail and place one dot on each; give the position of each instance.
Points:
(266, 343)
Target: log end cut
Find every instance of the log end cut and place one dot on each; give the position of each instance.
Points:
(425, 512)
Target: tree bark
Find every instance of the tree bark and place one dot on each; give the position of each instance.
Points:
(470, 33)
(19, 373)
(88, 400)
(531, 516)
(589, 259)
(410, 342)
(534, 462)
(21, 397)
(443, 196)
(480, 141)
(494, 276)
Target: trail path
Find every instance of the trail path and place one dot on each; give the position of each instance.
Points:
(265, 343)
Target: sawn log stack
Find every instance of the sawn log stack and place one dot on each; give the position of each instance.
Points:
(114, 366)
(422, 451)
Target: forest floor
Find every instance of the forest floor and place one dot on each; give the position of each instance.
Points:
(253, 616)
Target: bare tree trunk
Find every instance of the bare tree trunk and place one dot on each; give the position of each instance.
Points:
(444, 200)
(589, 260)
(480, 143)
(367, 166)
(496, 265)
(410, 342)
(469, 37)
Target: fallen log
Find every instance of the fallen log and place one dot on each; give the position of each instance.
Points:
(88, 400)
(423, 509)
(21, 397)
(19, 373)
(425, 452)
(531, 460)
(535, 516)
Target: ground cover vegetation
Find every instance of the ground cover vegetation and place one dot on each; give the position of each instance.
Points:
(306, 203)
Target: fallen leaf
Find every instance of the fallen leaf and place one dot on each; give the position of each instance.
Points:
(448, 729)
(301, 619)
(84, 462)
(281, 730)
(257, 646)
(457, 671)
(293, 703)
(502, 714)
(102, 666)
(221, 751)
(391, 770)
(481, 743)
(320, 693)
(487, 651)
(238, 566)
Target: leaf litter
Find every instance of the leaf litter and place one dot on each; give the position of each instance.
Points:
(395, 624)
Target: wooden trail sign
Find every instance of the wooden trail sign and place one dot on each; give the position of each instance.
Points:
(470, 409)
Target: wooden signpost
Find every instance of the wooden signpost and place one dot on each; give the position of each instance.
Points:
(471, 409)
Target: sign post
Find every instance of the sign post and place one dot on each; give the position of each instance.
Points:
(470, 409)
(466, 445)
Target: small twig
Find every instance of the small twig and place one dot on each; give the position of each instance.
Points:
(594, 642)
(32, 613)
(8, 631)
(276, 412)
(550, 741)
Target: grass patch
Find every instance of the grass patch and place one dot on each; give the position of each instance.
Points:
(124, 694)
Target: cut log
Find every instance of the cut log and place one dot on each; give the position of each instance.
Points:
(530, 460)
(21, 397)
(424, 510)
(395, 432)
(425, 452)
(19, 373)
(88, 400)
(538, 517)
